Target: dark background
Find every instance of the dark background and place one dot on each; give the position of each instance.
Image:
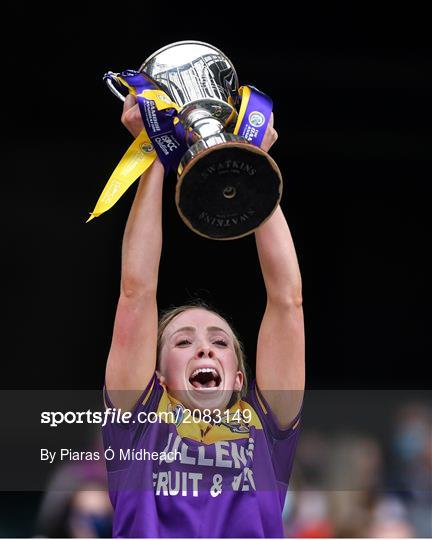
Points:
(351, 86)
(351, 89)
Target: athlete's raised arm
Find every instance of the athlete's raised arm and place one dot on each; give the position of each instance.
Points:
(280, 362)
(132, 357)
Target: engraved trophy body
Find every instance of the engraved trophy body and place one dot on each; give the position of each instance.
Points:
(226, 187)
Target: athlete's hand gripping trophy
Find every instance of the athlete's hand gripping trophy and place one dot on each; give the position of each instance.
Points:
(219, 466)
(200, 124)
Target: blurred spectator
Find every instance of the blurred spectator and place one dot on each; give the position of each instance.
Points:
(390, 520)
(312, 453)
(90, 513)
(411, 469)
(353, 473)
(76, 503)
(311, 516)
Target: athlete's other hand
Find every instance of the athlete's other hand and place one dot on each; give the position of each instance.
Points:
(270, 136)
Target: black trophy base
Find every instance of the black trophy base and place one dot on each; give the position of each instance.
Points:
(229, 190)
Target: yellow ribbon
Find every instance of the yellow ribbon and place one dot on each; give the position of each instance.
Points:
(137, 159)
(245, 93)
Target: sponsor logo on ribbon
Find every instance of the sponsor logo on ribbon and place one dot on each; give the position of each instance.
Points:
(256, 119)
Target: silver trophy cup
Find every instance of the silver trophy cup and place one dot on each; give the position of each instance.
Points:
(226, 187)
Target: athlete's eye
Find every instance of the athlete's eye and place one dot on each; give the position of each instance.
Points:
(183, 343)
(221, 342)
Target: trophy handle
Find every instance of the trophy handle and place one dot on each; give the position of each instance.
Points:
(114, 84)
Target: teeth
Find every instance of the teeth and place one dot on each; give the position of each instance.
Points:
(204, 370)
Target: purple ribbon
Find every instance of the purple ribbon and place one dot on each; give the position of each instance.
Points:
(256, 118)
(168, 140)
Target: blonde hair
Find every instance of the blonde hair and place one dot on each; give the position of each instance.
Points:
(168, 315)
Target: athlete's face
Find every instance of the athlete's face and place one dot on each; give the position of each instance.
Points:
(198, 363)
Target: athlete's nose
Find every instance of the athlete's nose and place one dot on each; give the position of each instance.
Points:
(205, 351)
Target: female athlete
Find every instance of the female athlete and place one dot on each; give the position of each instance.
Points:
(219, 466)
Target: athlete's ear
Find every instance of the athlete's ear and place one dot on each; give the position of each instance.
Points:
(238, 384)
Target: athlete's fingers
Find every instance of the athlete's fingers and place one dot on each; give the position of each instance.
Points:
(271, 121)
(270, 136)
(131, 116)
(130, 110)
(129, 102)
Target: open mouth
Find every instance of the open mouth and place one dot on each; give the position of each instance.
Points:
(205, 378)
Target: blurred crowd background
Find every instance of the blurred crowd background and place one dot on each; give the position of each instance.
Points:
(385, 485)
(344, 484)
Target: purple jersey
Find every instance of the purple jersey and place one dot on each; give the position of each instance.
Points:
(225, 479)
